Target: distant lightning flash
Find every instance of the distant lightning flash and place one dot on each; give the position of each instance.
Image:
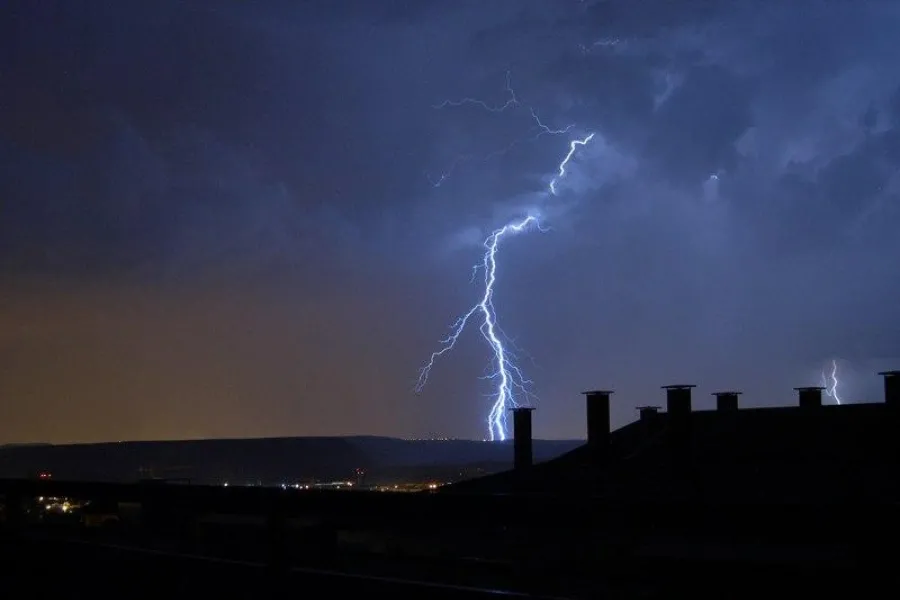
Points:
(511, 384)
(831, 383)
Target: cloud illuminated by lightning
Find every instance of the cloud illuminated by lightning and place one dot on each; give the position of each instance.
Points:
(831, 383)
(510, 383)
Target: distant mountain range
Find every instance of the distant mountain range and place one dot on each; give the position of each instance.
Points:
(269, 460)
(24, 445)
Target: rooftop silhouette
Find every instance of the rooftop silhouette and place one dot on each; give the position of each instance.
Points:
(808, 451)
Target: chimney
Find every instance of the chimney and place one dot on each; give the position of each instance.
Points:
(522, 455)
(891, 388)
(648, 412)
(892, 400)
(727, 401)
(810, 397)
(678, 407)
(678, 400)
(598, 422)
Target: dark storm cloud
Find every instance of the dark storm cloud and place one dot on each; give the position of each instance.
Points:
(731, 222)
(175, 135)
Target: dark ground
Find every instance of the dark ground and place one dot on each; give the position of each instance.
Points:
(45, 568)
(47, 564)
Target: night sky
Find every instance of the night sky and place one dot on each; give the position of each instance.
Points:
(217, 218)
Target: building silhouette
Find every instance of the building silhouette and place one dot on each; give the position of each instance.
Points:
(810, 452)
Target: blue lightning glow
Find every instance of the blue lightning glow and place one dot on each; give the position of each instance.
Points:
(831, 383)
(511, 384)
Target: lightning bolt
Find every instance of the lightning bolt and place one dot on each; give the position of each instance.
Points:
(537, 130)
(512, 100)
(510, 382)
(561, 172)
(831, 383)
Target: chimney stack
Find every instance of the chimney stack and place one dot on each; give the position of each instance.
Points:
(727, 401)
(678, 400)
(891, 388)
(678, 407)
(892, 400)
(522, 454)
(810, 397)
(598, 421)
(648, 412)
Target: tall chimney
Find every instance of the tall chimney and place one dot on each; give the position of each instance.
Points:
(678, 407)
(522, 455)
(727, 401)
(598, 422)
(810, 397)
(678, 400)
(891, 388)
